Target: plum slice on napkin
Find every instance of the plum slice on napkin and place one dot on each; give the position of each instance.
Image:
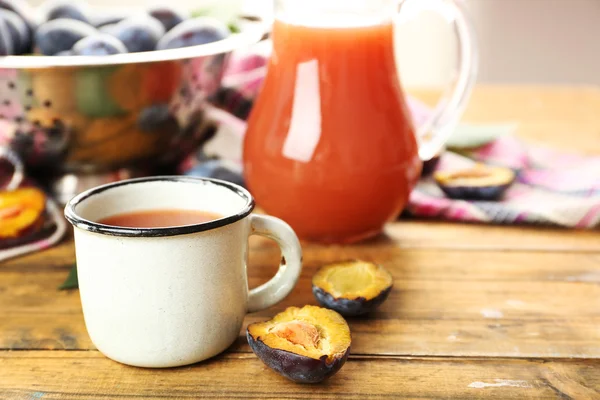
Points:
(21, 212)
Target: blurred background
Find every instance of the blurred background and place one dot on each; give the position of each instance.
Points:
(539, 58)
(521, 41)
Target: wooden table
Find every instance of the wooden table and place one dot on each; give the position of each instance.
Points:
(477, 311)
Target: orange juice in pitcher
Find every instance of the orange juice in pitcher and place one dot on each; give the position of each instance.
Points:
(331, 147)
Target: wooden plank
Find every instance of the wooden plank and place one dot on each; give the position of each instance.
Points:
(88, 375)
(476, 318)
(447, 303)
(462, 236)
(398, 237)
(59, 256)
(491, 338)
(461, 290)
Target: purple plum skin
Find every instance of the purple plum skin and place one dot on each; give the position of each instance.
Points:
(101, 44)
(23, 10)
(139, 33)
(194, 32)
(65, 9)
(60, 35)
(6, 42)
(296, 367)
(350, 307)
(168, 16)
(481, 193)
(18, 30)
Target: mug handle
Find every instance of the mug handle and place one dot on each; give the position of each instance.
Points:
(435, 132)
(15, 161)
(290, 267)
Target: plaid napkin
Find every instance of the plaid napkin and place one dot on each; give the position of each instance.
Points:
(49, 226)
(552, 188)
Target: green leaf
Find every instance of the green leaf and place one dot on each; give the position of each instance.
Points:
(71, 282)
(233, 27)
(468, 136)
(200, 12)
(226, 12)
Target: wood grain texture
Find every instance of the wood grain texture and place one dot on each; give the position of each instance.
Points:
(462, 236)
(476, 312)
(444, 303)
(564, 117)
(88, 375)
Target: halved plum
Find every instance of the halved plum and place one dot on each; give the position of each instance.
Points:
(352, 287)
(21, 212)
(306, 345)
(478, 183)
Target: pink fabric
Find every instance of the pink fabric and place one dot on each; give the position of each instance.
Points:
(564, 193)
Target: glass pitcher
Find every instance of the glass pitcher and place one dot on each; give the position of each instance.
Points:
(331, 147)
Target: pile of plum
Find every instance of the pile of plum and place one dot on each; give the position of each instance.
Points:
(61, 27)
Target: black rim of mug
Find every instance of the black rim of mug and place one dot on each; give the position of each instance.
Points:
(92, 226)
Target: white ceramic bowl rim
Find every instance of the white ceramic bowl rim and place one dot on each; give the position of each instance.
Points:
(249, 35)
(79, 222)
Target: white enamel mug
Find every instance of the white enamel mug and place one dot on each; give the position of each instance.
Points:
(166, 297)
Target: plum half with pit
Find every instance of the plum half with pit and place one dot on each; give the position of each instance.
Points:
(100, 44)
(138, 33)
(484, 183)
(193, 32)
(352, 287)
(60, 35)
(21, 212)
(306, 345)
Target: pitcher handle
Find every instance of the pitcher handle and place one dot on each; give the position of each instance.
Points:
(18, 168)
(435, 132)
